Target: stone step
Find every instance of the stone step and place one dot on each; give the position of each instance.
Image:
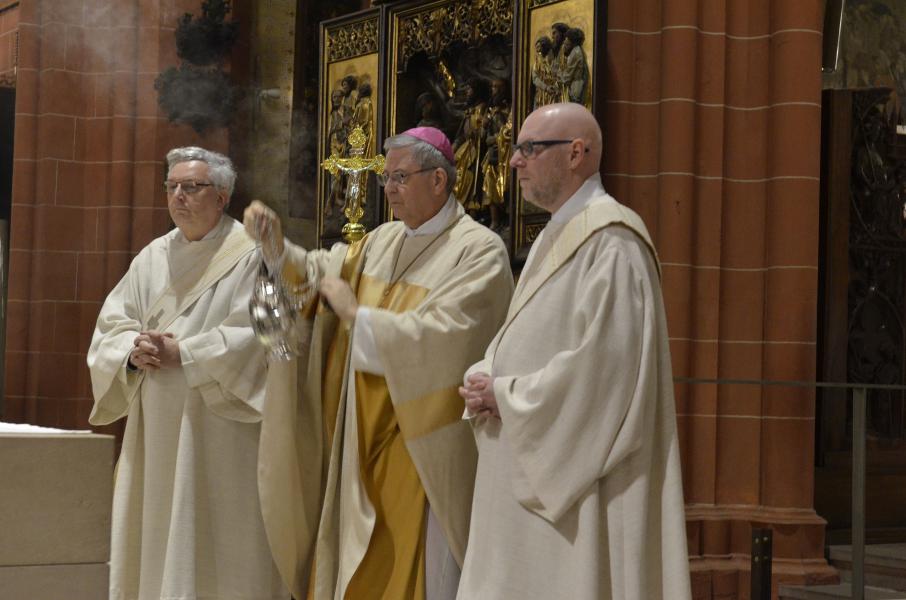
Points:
(885, 564)
(835, 592)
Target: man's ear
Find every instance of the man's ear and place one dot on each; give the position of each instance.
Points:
(577, 152)
(440, 180)
(222, 199)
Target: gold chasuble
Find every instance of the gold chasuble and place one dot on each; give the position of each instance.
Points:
(389, 446)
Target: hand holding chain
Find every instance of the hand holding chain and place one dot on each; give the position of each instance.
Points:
(274, 307)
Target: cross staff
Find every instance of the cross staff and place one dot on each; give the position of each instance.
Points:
(355, 166)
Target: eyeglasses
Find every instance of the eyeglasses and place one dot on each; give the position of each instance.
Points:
(530, 147)
(188, 187)
(398, 177)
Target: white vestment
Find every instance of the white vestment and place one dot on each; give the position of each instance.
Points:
(187, 522)
(578, 491)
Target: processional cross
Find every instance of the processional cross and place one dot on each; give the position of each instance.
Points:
(356, 166)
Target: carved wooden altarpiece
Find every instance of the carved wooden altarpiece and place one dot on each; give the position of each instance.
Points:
(473, 69)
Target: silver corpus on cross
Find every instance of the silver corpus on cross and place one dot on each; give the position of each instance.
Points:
(274, 306)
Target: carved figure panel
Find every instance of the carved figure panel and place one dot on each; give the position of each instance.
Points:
(452, 69)
(563, 47)
(349, 99)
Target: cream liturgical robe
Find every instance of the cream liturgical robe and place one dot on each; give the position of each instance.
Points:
(578, 492)
(186, 517)
(355, 473)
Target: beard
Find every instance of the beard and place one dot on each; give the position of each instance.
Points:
(543, 192)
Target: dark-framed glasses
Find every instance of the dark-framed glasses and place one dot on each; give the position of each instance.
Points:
(529, 148)
(400, 177)
(188, 187)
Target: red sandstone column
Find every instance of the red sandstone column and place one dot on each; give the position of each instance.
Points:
(713, 134)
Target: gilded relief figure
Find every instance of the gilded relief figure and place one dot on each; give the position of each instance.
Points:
(350, 105)
(336, 136)
(363, 116)
(544, 77)
(558, 35)
(573, 68)
(467, 148)
(495, 168)
(349, 85)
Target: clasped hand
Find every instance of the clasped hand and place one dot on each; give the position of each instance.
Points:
(155, 350)
(478, 394)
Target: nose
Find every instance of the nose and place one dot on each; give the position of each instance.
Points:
(179, 193)
(517, 159)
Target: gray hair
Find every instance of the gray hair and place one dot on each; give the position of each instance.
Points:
(426, 155)
(220, 168)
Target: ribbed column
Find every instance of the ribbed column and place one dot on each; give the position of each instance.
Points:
(713, 134)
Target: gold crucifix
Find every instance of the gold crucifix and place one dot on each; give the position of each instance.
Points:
(356, 167)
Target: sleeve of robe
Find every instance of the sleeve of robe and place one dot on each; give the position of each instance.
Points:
(118, 323)
(297, 259)
(226, 363)
(538, 76)
(574, 420)
(573, 68)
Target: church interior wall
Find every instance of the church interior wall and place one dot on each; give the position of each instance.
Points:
(87, 171)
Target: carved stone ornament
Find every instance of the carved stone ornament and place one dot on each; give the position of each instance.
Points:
(352, 39)
(7, 80)
(435, 29)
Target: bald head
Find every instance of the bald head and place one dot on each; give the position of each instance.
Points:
(566, 166)
(573, 121)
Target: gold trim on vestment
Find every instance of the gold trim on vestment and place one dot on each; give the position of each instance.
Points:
(401, 297)
(335, 365)
(394, 564)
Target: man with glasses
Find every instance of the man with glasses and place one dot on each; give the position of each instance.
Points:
(404, 312)
(578, 491)
(174, 353)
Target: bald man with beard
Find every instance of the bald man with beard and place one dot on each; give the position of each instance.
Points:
(578, 492)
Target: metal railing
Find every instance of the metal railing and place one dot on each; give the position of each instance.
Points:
(860, 403)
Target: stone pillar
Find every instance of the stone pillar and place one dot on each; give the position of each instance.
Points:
(713, 134)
